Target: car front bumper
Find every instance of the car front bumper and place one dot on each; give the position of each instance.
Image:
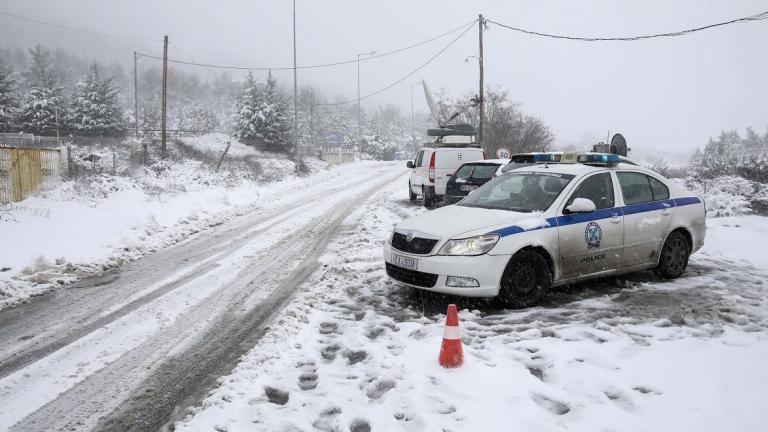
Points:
(486, 269)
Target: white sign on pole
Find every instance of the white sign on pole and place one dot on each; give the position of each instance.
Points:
(503, 153)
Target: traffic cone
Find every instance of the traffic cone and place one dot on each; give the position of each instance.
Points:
(451, 354)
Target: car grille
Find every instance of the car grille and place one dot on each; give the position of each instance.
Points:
(418, 246)
(411, 277)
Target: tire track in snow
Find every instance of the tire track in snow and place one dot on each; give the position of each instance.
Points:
(33, 330)
(196, 346)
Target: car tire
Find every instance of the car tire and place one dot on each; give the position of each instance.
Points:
(427, 199)
(526, 280)
(411, 195)
(673, 259)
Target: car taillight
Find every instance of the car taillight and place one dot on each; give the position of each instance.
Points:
(484, 155)
(432, 167)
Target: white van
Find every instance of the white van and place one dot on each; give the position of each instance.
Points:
(433, 167)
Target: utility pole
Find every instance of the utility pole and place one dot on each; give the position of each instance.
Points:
(165, 93)
(136, 92)
(312, 125)
(481, 95)
(413, 125)
(295, 97)
(359, 109)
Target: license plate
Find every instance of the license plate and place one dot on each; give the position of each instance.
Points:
(405, 262)
(468, 188)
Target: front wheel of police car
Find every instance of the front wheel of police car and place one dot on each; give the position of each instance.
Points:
(526, 280)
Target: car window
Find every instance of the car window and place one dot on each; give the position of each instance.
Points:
(464, 171)
(484, 171)
(598, 189)
(419, 158)
(635, 187)
(522, 192)
(659, 189)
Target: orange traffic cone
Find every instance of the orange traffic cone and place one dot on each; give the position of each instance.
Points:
(451, 355)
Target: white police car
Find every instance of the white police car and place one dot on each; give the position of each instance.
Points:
(570, 217)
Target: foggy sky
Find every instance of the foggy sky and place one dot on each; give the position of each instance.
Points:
(668, 94)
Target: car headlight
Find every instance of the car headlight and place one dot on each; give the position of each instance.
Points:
(470, 246)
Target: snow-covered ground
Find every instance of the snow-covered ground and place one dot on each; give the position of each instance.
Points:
(356, 352)
(86, 226)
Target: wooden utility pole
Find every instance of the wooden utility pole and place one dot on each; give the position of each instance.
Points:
(311, 124)
(136, 92)
(481, 94)
(295, 98)
(165, 93)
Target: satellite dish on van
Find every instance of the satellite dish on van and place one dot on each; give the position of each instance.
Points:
(618, 145)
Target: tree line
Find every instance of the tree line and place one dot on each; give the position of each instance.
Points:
(42, 89)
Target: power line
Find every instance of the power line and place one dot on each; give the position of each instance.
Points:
(323, 65)
(58, 26)
(181, 50)
(469, 26)
(757, 17)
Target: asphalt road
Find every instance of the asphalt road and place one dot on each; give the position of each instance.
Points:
(130, 348)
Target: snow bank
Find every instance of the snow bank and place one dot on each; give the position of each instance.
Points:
(98, 222)
(215, 143)
(728, 195)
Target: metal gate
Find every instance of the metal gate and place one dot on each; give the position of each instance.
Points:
(25, 172)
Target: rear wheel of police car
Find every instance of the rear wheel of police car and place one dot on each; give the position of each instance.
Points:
(411, 195)
(674, 256)
(526, 280)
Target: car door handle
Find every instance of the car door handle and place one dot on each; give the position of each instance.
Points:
(615, 219)
(666, 212)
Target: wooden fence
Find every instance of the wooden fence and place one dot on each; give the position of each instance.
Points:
(25, 172)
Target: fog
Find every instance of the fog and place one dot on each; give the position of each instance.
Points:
(668, 94)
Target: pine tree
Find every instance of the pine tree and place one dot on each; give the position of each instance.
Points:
(94, 110)
(9, 106)
(45, 99)
(261, 117)
(244, 121)
(275, 124)
(199, 119)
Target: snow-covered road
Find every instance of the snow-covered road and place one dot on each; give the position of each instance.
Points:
(241, 329)
(119, 352)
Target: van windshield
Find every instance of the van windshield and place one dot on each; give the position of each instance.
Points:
(521, 192)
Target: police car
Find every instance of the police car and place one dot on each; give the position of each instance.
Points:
(567, 218)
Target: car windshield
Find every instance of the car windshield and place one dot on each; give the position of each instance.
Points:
(521, 192)
(476, 171)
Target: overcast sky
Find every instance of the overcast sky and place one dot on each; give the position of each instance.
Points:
(669, 94)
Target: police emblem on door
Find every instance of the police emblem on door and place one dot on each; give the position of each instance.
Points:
(592, 235)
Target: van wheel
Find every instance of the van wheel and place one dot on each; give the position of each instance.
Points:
(526, 280)
(411, 195)
(674, 256)
(426, 197)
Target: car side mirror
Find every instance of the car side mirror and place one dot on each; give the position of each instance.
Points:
(581, 205)
(409, 164)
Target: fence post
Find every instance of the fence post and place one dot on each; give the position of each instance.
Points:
(114, 163)
(69, 162)
(222, 156)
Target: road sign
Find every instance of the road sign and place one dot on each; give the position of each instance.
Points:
(503, 153)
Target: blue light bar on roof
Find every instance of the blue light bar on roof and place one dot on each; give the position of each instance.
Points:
(599, 159)
(546, 158)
